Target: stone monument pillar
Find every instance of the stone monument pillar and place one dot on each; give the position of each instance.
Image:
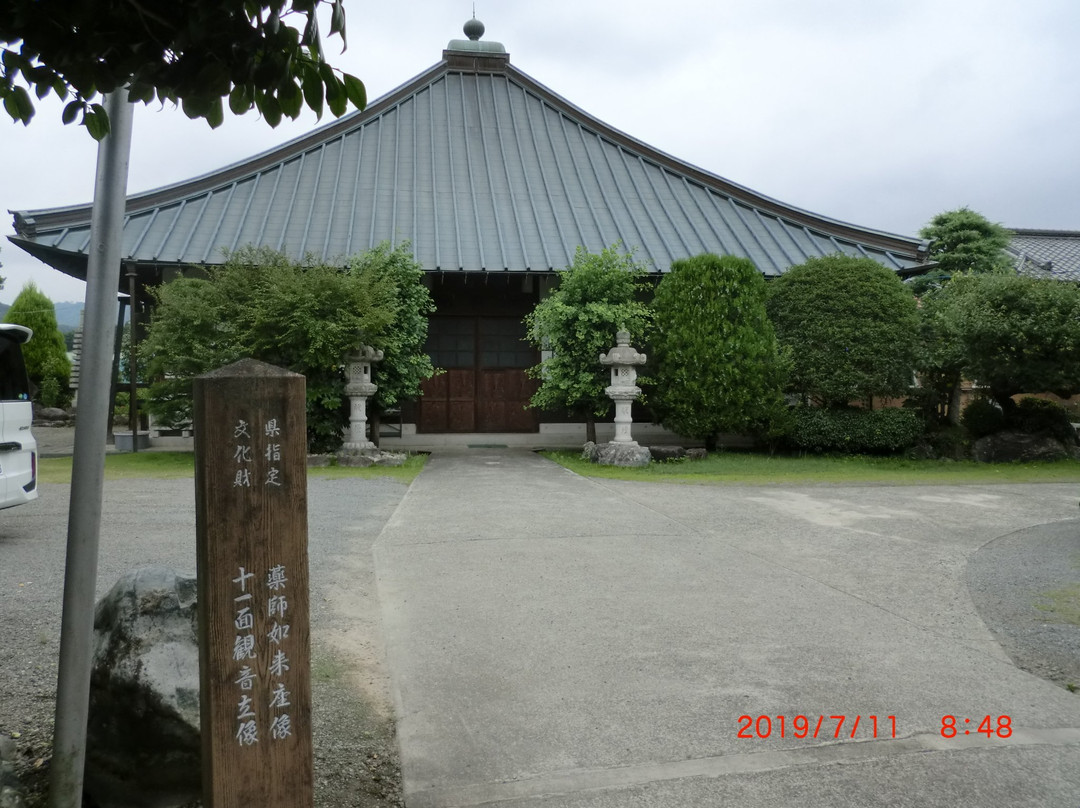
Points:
(358, 388)
(623, 450)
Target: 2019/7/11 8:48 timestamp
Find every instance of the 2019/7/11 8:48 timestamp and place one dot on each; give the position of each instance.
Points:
(802, 726)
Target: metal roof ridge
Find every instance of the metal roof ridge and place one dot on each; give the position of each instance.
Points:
(1022, 231)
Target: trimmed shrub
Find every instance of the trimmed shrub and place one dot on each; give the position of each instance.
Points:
(1038, 416)
(714, 361)
(50, 392)
(949, 441)
(982, 417)
(855, 431)
(851, 327)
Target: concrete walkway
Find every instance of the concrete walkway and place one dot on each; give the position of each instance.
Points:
(560, 641)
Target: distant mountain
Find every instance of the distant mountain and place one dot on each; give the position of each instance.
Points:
(67, 315)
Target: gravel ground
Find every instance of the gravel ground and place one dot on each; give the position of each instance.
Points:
(1026, 586)
(152, 522)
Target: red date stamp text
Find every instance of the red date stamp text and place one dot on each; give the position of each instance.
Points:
(817, 726)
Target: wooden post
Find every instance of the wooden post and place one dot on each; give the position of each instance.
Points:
(254, 638)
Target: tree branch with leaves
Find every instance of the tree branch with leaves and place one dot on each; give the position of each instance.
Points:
(198, 54)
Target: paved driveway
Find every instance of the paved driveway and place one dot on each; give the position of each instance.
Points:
(560, 641)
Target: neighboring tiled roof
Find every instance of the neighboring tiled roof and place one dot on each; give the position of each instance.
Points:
(1046, 253)
(481, 168)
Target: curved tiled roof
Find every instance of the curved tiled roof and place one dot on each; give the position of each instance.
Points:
(1046, 253)
(481, 168)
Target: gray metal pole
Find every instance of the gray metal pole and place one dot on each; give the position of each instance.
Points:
(133, 363)
(88, 464)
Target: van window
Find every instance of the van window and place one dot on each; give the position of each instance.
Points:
(13, 382)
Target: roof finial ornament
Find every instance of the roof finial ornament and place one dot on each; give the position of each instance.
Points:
(474, 29)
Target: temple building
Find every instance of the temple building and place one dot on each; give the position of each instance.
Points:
(494, 181)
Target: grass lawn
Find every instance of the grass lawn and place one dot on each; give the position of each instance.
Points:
(744, 468)
(171, 465)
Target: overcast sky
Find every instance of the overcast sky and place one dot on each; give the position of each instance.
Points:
(880, 114)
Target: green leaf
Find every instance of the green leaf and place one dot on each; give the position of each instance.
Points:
(71, 111)
(313, 90)
(291, 99)
(337, 21)
(326, 72)
(96, 121)
(24, 107)
(191, 107)
(12, 61)
(239, 99)
(215, 114)
(355, 90)
(270, 108)
(11, 106)
(336, 98)
(311, 33)
(138, 91)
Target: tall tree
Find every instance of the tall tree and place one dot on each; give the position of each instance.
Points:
(45, 354)
(939, 360)
(851, 327)
(717, 364)
(304, 317)
(405, 364)
(597, 296)
(266, 54)
(962, 241)
(1014, 334)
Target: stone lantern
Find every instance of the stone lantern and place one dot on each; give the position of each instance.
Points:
(623, 359)
(358, 388)
(623, 391)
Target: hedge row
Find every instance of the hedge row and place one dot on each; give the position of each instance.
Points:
(855, 431)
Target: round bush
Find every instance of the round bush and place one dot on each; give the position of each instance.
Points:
(982, 417)
(1038, 416)
(855, 431)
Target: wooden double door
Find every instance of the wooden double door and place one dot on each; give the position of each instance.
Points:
(483, 387)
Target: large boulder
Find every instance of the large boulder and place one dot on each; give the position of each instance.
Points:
(663, 454)
(50, 415)
(143, 748)
(1007, 447)
(362, 458)
(622, 454)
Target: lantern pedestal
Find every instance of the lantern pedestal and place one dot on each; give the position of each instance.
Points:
(617, 454)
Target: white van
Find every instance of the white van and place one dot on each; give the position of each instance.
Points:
(18, 449)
